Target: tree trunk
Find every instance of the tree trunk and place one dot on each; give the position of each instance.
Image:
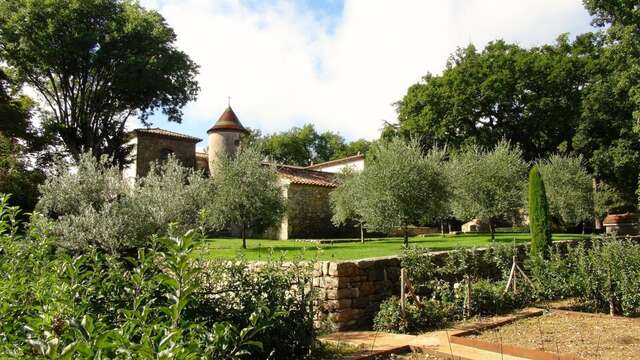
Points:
(492, 229)
(442, 228)
(244, 237)
(361, 233)
(406, 235)
(598, 222)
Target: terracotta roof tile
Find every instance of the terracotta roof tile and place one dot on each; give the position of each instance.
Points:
(228, 121)
(300, 175)
(165, 133)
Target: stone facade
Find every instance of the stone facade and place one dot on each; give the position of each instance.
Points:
(309, 212)
(151, 147)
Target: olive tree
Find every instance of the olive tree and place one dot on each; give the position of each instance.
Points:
(248, 193)
(402, 186)
(488, 184)
(91, 204)
(569, 188)
(346, 199)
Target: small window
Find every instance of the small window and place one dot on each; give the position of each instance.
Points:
(165, 154)
(236, 143)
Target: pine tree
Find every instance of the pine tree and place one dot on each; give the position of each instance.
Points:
(538, 214)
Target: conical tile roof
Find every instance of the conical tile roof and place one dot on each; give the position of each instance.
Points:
(228, 121)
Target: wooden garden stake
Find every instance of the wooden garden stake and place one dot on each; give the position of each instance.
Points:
(402, 289)
(515, 270)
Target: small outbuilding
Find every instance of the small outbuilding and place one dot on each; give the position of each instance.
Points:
(622, 224)
(474, 225)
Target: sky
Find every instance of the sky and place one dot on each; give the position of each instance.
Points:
(337, 64)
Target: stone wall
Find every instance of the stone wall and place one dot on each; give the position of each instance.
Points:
(350, 292)
(150, 148)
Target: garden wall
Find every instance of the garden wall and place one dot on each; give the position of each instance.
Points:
(350, 292)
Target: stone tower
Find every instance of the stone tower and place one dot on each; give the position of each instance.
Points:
(225, 137)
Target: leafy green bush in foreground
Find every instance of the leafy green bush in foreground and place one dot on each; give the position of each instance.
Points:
(161, 303)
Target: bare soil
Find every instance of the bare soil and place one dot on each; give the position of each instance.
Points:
(585, 335)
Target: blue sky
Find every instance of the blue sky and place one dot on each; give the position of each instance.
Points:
(337, 64)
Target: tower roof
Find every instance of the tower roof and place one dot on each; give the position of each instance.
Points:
(228, 121)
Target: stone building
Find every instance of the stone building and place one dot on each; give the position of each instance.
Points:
(306, 189)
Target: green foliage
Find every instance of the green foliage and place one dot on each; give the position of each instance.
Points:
(487, 184)
(95, 206)
(403, 186)
(235, 290)
(96, 63)
(603, 277)
(539, 222)
(156, 304)
(248, 193)
(345, 199)
(607, 200)
(418, 316)
(529, 97)
(305, 146)
(16, 178)
(569, 188)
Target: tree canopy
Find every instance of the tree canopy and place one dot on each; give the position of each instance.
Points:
(304, 146)
(96, 63)
(573, 97)
(346, 199)
(569, 188)
(247, 193)
(488, 184)
(403, 186)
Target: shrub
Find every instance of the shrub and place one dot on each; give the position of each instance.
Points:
(418, 316)
(234, 290)
(538, 215)
(95, 206)
(95, 305)
(489, 298)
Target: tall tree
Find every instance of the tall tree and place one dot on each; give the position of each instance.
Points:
(530, 97)
(248, 194)
(18, 140)
(488, 184)
(304, 146)
(539, 225)
(403, 186)
(96, 63)
(569, 188)
(346, 198)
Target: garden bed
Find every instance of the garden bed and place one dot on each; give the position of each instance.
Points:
(587, 336)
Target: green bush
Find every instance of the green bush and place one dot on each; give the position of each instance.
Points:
(418, 316)
(159, 303)
(604, 277)
(489, 298)
(95, 206)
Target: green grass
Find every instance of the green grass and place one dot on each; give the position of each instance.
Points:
(294, 250)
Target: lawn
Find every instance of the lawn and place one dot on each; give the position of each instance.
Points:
(287, 249)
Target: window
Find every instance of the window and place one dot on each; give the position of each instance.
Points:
(165, 153)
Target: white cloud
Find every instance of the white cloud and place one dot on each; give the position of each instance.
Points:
(284, 66)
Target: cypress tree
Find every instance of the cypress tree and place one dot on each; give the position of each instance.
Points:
(538, 214)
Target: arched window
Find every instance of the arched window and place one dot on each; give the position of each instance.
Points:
(165, 153)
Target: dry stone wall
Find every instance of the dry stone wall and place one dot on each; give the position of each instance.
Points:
(349, 293)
